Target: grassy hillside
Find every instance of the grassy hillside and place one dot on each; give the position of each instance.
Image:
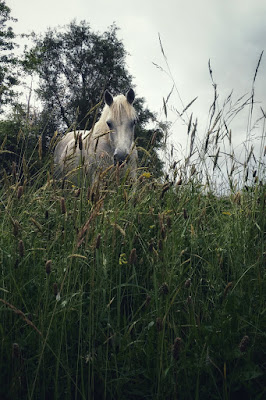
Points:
(149, 292)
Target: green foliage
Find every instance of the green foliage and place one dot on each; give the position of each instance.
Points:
(151, 291)
(8, 78)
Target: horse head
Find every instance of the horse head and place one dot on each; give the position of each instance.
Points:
(121, 120)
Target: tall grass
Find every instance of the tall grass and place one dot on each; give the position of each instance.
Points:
(150, 291)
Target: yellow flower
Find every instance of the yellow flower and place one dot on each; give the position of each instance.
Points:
(146, 175)
(122, 259)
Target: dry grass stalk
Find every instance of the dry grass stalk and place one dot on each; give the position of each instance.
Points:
(19, 312)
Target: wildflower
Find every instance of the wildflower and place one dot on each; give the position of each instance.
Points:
(176, 348)
(146, 175)
(244, 344)
(122, 259)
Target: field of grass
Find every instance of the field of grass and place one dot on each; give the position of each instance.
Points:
(155, 291)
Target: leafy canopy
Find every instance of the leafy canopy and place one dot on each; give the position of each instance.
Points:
(8, 76)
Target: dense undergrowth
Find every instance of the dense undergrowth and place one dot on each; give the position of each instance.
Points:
(143, 292)
(150, 290)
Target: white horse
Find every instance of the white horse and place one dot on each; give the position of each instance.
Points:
(110, 142)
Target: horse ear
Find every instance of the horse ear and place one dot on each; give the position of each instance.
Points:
(108, 98)
(130, 96)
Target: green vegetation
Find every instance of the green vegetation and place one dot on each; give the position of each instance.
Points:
(146, 290)
(155, 290)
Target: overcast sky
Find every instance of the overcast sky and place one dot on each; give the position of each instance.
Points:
(232, 33)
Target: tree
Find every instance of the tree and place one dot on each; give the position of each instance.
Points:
(75, 66)
(8, 78)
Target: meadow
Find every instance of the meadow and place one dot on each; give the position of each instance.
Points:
(150, 290)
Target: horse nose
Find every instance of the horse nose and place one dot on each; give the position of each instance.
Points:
(120, 157)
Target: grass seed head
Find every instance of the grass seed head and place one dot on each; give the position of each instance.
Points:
(21, 248)
(20, 192)
(98, 241)
(133, 257)
(77, 192)
(63, 205)
(227, 288)
(14, 170)
(159, 324)
(164, 289)
(16, 227)
(48, 265)
(55, 289)
(15, 350)
(176, 348)
(243, 345)
(188, 283)
(148, 300)
(80, 142)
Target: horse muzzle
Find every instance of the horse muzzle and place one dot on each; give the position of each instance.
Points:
(120, 157)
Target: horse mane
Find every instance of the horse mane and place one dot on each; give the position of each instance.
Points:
(118, 108)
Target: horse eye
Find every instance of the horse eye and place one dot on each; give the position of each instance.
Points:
(110, 125)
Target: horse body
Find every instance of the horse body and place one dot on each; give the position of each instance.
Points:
(110, 142)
